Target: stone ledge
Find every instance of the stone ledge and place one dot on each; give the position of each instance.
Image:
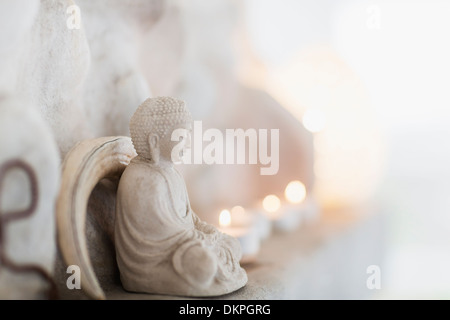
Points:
(325, 261)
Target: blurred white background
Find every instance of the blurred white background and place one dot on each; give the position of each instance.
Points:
(400, 50)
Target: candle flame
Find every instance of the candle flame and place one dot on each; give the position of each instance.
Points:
(271, 203)
(224, 218)
(295, 192)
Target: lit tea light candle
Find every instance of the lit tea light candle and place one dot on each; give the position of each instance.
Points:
(271, 205)
(300, 204)
(286, 216)
(281, 218)
(291, 212)
(241, 217)
(225, 219)
(247, 236)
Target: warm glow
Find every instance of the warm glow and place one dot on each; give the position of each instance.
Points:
(314, 120)
(237, 210)
(241, 217)
(225, 218)
(295, 192)
(271, 203)
(327, 96)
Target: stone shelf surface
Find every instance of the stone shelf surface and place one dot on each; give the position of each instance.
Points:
(327, 260)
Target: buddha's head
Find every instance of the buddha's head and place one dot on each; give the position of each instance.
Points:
(152, 125)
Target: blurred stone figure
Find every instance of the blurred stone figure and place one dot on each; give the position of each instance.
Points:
(29, 159)
(28, 189)
(53, 71)
(115, 83)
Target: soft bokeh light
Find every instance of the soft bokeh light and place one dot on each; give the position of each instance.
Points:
(240, 217)
(386, 130)
(323, 92)
(237, 210)
(224, 218)
(271, 203)
(378, 70)
(295, 192)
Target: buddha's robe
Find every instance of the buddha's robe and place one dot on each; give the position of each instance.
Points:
(154, 230)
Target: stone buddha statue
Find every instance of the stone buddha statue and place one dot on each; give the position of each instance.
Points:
(161, 245)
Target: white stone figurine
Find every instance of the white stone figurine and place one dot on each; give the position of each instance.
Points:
(161, 245)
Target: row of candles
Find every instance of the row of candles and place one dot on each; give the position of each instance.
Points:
(252, 226)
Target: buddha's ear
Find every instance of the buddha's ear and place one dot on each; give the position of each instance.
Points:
(153, 141)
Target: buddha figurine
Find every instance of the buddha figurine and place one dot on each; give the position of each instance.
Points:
(162, 246)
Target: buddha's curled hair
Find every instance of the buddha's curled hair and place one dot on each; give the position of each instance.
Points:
(156, 115)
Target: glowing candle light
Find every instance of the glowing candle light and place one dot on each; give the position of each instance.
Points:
(326, 95)
(241, 217)
(280, 217)
(286, 216)
(300, 207)
(248, 237)
(271, 204)
(225, 218)
(251, 218)
(295, 192)
(238, 210)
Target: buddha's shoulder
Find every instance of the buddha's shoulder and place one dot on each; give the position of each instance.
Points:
(141, 173)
